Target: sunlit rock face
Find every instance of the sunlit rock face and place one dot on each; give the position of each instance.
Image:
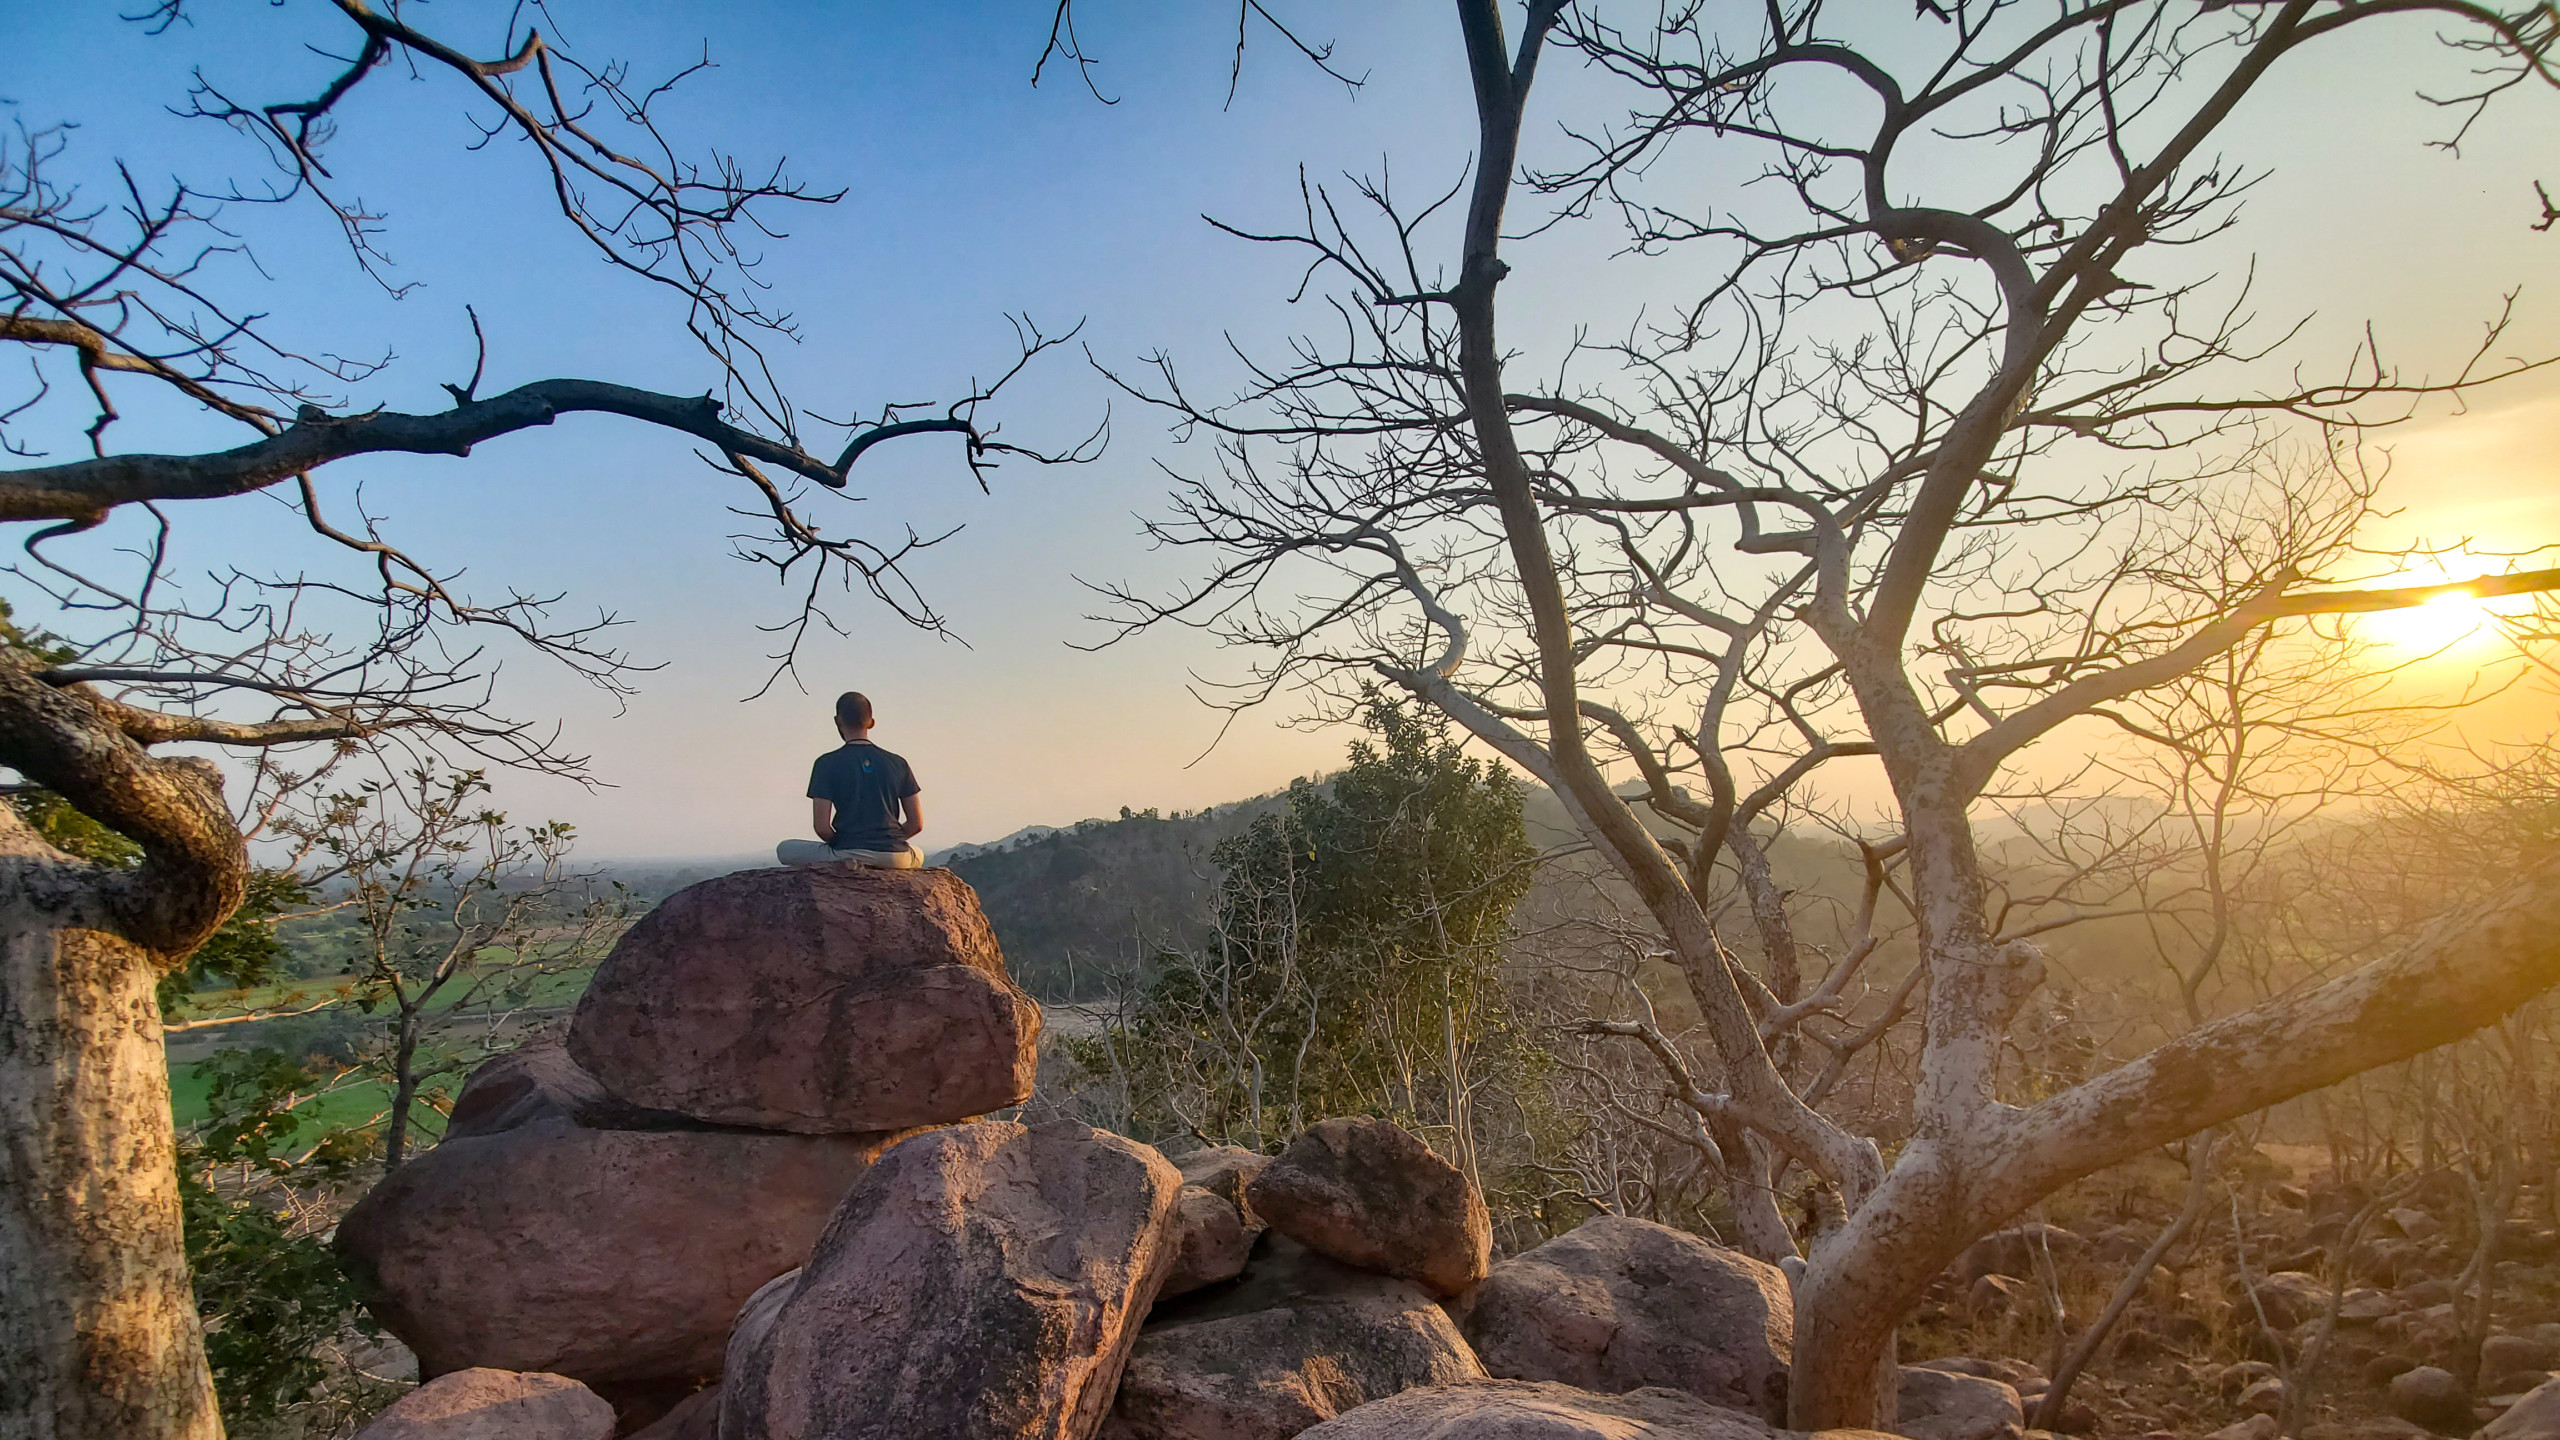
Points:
(536, 1238)
(818, 1000)
(1301, 1339)
(1619, 1303)
(1371, 1195)
(982, 1280)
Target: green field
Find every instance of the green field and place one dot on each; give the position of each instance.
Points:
(355, 1102)
(352, 1105)
(561, 987)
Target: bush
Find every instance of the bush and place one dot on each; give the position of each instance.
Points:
(270, 1291)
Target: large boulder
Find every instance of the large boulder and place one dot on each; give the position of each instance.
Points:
(1937, 1404)
(1301, 1340)
(2431, 1396)
(1543, 1410)
(1211, 1241)
(1371, 1195)
(2535, 1417)
(984, 1280)
(819, 999)
(529, 1241)
(537, 1080)
(482, 1404)
(1619, 1303)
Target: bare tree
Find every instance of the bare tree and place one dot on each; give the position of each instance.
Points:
(1928, 480)
(125, 289)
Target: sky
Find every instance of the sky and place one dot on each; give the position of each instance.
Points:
(971, 195)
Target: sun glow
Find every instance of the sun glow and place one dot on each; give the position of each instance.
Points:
(2445, 622)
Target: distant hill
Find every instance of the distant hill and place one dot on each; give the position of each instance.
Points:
(1073, 904)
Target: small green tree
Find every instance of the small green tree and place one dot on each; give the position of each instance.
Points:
(1355, 964)
(255, 1182)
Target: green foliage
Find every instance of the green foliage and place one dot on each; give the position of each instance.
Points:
(271, 1292)
(1355, 962)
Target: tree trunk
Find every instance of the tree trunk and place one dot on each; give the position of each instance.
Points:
(98, 1329)
(404, 1093)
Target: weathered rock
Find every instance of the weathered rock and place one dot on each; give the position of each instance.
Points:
(1944, 1405)
(537, 1081)
(2417, 1224)
(2013, 1252)
(2256, 1427)
(818, 999)
(2432, 1397)
(1370, 1195)
(2289, 1297)
(2237, 1377)
(2369, 1427)
(1543, 1410)
(1224, 1171)
(485, 1404)
(1211, 1241)
(1302, 1339)
(1996, 1294)
(1618, 1303)
(983, 1280)
(612, 1256)
(2504, 1354)
(2535, 1417)
(696, 1417)
(755, 1318)
(2266, 1397)
(2363, 1307)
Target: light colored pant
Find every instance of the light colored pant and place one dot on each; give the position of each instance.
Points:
(811, 852)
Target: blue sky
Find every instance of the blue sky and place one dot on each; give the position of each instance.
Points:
(971, 195)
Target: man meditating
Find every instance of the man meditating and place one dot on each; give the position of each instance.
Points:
(862, 801)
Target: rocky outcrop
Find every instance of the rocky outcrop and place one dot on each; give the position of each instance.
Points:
(826, 999)
(1371, 1195)
(1939, 1404)
(983, 1280)
(530, 1241)
(1533, 1410)
(1302, 1339)
(484, 1404)
(1619, 1303)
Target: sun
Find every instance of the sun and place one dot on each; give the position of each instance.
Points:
(2445, 622)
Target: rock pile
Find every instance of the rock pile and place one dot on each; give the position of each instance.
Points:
(755, 1195)
(601, 1210)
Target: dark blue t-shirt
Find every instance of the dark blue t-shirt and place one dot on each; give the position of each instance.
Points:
(866, 783)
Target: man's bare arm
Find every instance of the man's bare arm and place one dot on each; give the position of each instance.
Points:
(915, 816)
(822, 818)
